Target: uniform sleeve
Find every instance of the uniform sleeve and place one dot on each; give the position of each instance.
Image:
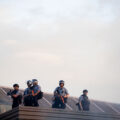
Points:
(66, 92)
(39, 88)
(55, 90)
(80, 98)
(25, 92)
(18, 93)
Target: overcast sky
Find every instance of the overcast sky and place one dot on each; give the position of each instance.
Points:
(74, 40)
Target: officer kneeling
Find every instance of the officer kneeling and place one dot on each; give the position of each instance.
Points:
(36, 93)
(16, 96)
(60, 96)
(84, 103)
(28, 94)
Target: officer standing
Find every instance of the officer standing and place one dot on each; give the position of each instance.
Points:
(28, 94)
(84, 102)
(16, 96)
(60, 96)
(36, 91)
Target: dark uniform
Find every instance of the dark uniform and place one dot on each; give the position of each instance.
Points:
(60, 101)
(28, 96)
(36, 89)
(59, 96)
(16, 100)
(85, 102)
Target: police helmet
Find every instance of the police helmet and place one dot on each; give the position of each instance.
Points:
(61, 82)
(15, 85)
(34, 80)
(85, 91)
(29, 82)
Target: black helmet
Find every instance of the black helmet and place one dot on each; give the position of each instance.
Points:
(29, 82)
(85, 91)
(61, 82)
(15, 85)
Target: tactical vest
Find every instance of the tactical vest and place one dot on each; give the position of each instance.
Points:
(85, 102)
(29, 91)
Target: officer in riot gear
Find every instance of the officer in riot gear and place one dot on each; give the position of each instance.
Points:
(60, 96)
(36, 92)
(28, 94)
(84, 102)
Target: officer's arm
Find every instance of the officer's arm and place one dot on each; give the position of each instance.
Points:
(25, 92)
(16, 95)
(55, 92)
(37, 93)
(67, 94)
(34, 94)
(39, 89)
(81, 105)
(80, 102)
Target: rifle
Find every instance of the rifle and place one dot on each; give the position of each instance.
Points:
(61, 97)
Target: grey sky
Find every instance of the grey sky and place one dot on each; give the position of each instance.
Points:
(74, 40)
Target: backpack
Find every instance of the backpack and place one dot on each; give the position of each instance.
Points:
(40, 95)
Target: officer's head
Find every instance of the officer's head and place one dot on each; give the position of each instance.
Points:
(29, 83)
(61, 83)
(16, 87)
(34, 81)
(85, 92)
